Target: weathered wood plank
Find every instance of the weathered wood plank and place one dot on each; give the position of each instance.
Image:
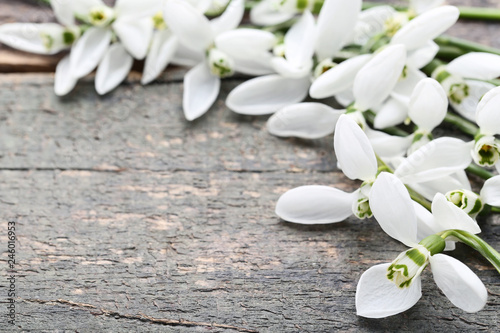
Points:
(127, 212)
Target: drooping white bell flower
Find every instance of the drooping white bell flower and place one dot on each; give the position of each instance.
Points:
(464, 80)
(272, 12)
(473, 203)
(212, 43)
(371, 85)
(486, 151)
(357, 160)
(129, 20)
(427, 109)
(265, 95)
(388, 289)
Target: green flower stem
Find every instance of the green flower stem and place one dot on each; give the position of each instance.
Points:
(417, 197)
(476, 243)
(465, 45)
(476, 13)
(462, 124)
(495, 209)
(449, 53)
(478, 171)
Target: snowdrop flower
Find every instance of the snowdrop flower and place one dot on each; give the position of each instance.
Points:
(371, 85)
(473, 203)
(271, 12)
(427, 109)
(267, 94)
(388, 289)
(323, 204)
(486, 151)
(214, 48)
(129, 20)
(42, 38)
(464, 80)
(356, 158)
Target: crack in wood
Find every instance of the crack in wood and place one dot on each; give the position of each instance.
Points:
(96, 311)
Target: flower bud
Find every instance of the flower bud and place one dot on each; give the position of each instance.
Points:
(486, 151)
(101, 16)
(408, 265)
(466, 200)
(220, 64)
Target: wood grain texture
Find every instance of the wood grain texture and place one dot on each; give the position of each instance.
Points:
(132, 219)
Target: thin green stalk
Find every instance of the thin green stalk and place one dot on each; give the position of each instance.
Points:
(478, 171)
(495, 209)
(477, 244)
(449, 53)
(462, 124)
(465, 45)
(477, 13)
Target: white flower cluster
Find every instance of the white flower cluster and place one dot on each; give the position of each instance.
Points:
(371, 61)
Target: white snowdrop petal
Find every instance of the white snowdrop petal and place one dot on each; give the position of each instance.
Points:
(299, 40)
(88, 51)
(259, 66)
(63, 12)
(476, 65)
(459, 283)
(488, 114)
(420, 6)
(426, 26)
(64, 82)
(353, 150)
(113, 68)
(443, 184)
(338, 78)
(336, 21)
(405, 86)
(315, 205)
(426, 225)
(393, 209)
(378, 297)
(371, 22)
(162, 50)
(436, 159)
(490, 193)
(134, 9)
(345, 98)
(428, 104)
(184, 56)
(200, 91)
(135, 35)
(376, 79)
(265, 14)
(286, 69)
(188, 24)
(267, 94)
(420, 57)
(467, 108)
(28, 36)
(388, 146)
(393, 112)
(245, 42)
(230, 19)
(304, 120)
(83, 7)
(448, 216)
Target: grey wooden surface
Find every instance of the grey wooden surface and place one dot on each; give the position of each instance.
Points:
(132, 219)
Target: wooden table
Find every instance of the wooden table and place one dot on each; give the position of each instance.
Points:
(130, 218)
